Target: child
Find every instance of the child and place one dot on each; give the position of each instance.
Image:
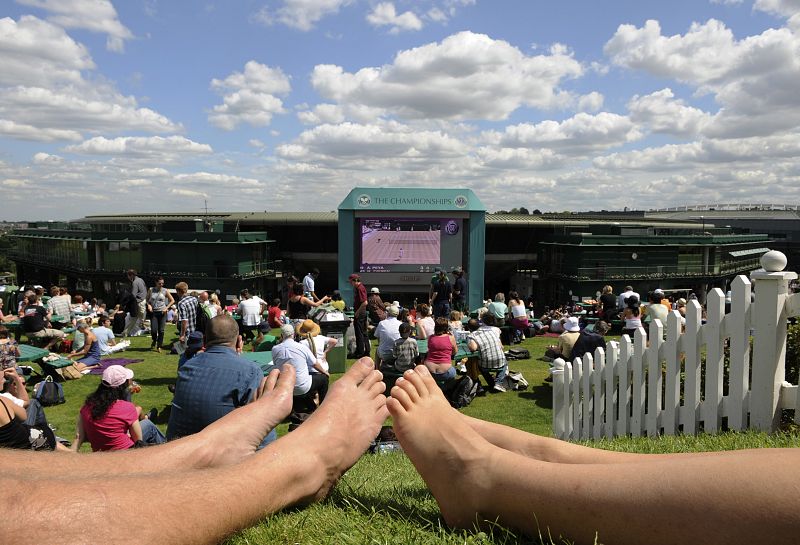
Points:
(405, 350)
(455, 322)
(274, 317)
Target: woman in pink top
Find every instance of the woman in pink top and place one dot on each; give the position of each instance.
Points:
(109, 421)
(441, 349)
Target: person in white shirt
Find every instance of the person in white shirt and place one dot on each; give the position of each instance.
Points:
(387, 332)
(308, 284)
(105, 338)
(250, 310)
(624, 295)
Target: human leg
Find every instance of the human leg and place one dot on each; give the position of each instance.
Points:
(151, 434)
(157, 323)
(716, 498)
(35, 414)
(298, 468)
(319, 385)
(362, 340)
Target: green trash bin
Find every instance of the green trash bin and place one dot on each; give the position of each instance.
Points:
(337, 356)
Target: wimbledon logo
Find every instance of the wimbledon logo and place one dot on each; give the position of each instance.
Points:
(364, 201)
(460, 201)
(451, 227)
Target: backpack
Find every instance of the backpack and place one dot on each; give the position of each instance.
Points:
(48, 392)
(203, 315)
(518, 354)
(463, 392)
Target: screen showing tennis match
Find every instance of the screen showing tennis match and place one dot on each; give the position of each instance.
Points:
(408, 245)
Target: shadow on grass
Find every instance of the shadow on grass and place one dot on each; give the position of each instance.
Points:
(156, 381)
(540, 394)
(411, 513)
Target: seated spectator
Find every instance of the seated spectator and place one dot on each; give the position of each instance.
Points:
(60, 305)
(249, 310)
(656, 310)
(632, 316)
(566, 340)
(336, 301)
(588, 341)
(306, 385)
(213, 383)
(36, 322)
(425, 324)
(263, 329)
(387, 332)
(455, 321)
(9, 350)
(275, 314)
(89, 354)
(485, 340)
(6, 317)
(17, 433)
(13, 389)
(441, 349)
(320, 345)
(376, 309)
(405, 352)
(608, 304)
(105, 337)
(110, 422)
(498, 309)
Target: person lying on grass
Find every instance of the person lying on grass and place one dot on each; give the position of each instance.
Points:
(219, 465)
(544, 486)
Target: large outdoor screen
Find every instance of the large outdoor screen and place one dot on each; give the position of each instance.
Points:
(409, 244)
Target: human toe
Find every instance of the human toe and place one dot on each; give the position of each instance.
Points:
(418, 381)
(409, 387)
(402, 396)
(360, 370)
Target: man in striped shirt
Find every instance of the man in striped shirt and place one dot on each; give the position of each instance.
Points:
(485, 340)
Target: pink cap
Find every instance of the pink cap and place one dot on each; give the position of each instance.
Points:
(116, 375)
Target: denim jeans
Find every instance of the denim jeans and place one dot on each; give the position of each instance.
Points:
(498, 377)
(151, 434)
(271, 436)
(441, 309)
(443, 378)
(35, 414)
(362, 341)
(157, 323)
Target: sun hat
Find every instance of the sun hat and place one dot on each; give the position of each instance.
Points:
(307, 327)
(195, 341)
(374, 290)
(393, 310)
(116, 375)
(287, 331)
(571, 324)
(681, 302)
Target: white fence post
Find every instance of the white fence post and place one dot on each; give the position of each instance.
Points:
(559, 418)
(769, 343)
(739, 332)
(715, 359)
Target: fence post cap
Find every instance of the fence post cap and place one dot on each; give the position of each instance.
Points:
(773, 261)
(558, 366)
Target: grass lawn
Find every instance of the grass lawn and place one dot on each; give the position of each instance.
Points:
(382, 500)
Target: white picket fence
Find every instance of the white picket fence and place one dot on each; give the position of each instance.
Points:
(632, 388)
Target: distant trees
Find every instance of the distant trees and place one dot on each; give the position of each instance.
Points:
(521, 210)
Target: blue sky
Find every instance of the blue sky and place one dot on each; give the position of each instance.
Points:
(151, 106)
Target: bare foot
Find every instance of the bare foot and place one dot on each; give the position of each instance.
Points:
(446, 451)
(239, 434)
(340, 431)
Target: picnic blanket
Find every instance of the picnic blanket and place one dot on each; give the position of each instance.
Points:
(112, 361)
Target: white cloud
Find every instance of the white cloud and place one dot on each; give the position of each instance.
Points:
(249, 96)
(591, 102)
(466, 76)
(384, 14)
(138, 145)
(753, 79)
(38, 53)
(256, 143)
(94, 15)
(322, 113)
(15, 183)
(45, 95)
(42, 158)
(217, 181)
(187, 193)
(661, 112)
(29, 132)
(300, 14)
(786, 8)
(578, 135)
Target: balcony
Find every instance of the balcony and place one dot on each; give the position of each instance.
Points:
(653, 272)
